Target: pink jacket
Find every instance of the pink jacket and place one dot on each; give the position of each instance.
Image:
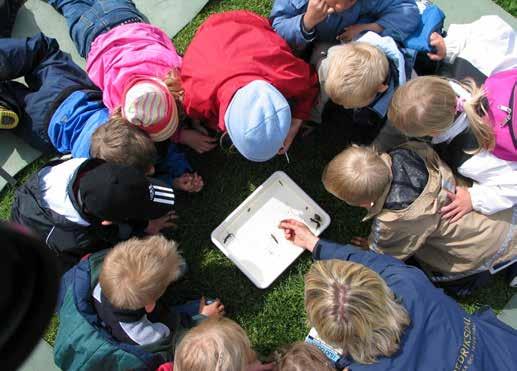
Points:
(127, 51)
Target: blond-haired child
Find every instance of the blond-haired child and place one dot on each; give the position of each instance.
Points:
(471, 129)
(404, 191)
(385, 314)
(217, 344)
(361, 76)
(134, 275)
(302, 356)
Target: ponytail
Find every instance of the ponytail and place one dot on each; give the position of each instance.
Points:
(476, 113)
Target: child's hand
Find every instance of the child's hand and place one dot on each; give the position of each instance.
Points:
(166, 221)
(215, 309)
(351, 32)
(461, 204)
(199, 142)
(258, 366)
(299, 234)
(436, 40)
(317, 12)
(296, 124)
(188, 182)
(361, 242)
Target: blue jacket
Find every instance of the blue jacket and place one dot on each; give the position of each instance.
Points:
(399, 18)
(73, 123)
(441, 336)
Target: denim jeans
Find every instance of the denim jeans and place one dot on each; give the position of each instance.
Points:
(51, 76)
(87, 19)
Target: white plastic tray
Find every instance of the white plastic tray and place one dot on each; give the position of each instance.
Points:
(250, 236)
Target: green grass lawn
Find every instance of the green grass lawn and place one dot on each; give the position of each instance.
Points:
(274, 316)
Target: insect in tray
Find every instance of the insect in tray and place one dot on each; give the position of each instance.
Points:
(274, 238)
(316, 220)
(228, 236)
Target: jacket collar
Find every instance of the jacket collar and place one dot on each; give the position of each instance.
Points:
(379, 203)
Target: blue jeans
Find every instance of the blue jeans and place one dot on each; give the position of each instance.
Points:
(50, 75)
(87, 19)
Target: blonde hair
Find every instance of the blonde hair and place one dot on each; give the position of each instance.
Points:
(357, 175)
(426, 106)
(301, 356)
(122, 143)
(217, 344)
(352, 308)
(356, 71)
(136, 272)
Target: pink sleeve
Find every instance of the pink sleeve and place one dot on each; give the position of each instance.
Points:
(166, 367)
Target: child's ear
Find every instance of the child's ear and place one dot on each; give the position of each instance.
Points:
(150, 307)
(382, 88)
(106, 223)
(150, 170)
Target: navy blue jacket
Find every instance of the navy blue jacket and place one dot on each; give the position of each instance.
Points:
(441, 336)
(399, 18)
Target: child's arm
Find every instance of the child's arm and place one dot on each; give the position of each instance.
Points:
(397, 19)
(296, 25)
(175, 170)
(354, 30)
(495, 187)
(472, 39)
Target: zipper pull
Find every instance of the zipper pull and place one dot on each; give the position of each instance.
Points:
(508, 110)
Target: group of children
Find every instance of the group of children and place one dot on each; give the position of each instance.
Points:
(439, 179)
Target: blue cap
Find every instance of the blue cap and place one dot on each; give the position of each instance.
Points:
(258, 119)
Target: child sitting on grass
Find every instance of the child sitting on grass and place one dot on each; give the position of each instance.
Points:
(386, 315)
(134, 275)
(241, 78)
(217, 344)
(81, 206)
(404, 191)
(301, 22)
(362, 76)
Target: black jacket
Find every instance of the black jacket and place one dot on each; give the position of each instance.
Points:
(69, 240)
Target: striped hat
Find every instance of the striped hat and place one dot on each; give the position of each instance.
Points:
(149, 105)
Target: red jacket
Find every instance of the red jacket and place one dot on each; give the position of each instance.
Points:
(233, 49)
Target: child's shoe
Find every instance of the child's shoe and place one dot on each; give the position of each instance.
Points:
(8, 119)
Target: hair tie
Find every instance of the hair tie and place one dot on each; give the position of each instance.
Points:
(459, 104)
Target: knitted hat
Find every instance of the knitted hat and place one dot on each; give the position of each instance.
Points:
(258, 119)
(149, 105)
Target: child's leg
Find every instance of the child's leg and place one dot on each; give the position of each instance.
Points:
(87, 19)
(51, 76)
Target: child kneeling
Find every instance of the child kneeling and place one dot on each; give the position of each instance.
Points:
(404, 192)
(134, 276)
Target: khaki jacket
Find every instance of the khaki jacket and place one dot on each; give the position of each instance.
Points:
(474, 244)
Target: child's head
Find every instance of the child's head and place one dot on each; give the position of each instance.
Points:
(301, 356)
(122, 143)
(151, 105)
(358, 176)
(112, 193)
(135, 273)
(357, 73)
(216, 344)
(428, 106)
(352, 308)
(258, 119)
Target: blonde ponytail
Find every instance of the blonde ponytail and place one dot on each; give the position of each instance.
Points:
(477, 116)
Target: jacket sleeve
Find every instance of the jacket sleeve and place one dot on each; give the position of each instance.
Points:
(286, 19)
(326, 250)
(398, 18)
(495, 187)
(488, 31)
(401, 240)
(173, 165)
